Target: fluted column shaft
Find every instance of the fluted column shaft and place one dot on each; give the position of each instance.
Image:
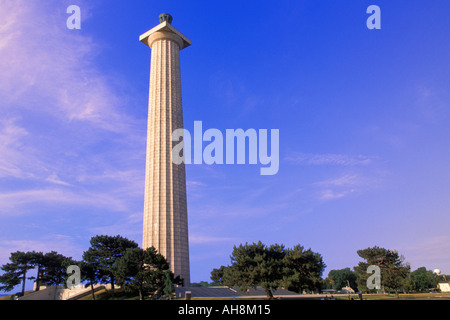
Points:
(165, 206)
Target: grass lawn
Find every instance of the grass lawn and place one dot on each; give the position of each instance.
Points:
(409, 296)
(120, 295)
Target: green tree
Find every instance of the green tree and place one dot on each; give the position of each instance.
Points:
(394, 271)
(91, 270)
(408, 284)
(256, 265)
(54, 268)
(203, 284)
(104, 253)
(442, 278)
(51, 269)
(217, 275)
(168, 284)
(343, 277)
(144, 271)
(15, 272)
(271, 267)
(302, 269)
(37, 260)
(423, 279)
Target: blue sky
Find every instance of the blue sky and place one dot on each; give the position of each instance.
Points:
(363, 118)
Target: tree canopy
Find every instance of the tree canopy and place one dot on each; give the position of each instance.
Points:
(423, 279)
(342, 278)
(103, 255)
(51, 269)
(109, 259)
(271, 267)
(115, 259)
(15, 272)
(394, 270)
(145, 271)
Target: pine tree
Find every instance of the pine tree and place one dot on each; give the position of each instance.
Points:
(16, 270)
(143, 271)
(393, 268)
(271, 267)
(104, 253)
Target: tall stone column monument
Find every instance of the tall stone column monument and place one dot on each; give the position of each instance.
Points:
(165, 207)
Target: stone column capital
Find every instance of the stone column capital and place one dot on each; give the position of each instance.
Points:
(165, 31)
(164, 35)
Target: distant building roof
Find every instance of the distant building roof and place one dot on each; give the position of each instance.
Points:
(227, 292)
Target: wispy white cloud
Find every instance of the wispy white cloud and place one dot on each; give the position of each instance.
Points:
(64, 132)
(329, 159)
(191, 183)
(25, 201)
(329, 194)
(430, 103)
(12, 155)
(53, 178)
(47, 67)
(355, 173)
(429, 252)
(129, 226)
(60, 243)
(346, 180)
(344, 185)
(204, 239)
